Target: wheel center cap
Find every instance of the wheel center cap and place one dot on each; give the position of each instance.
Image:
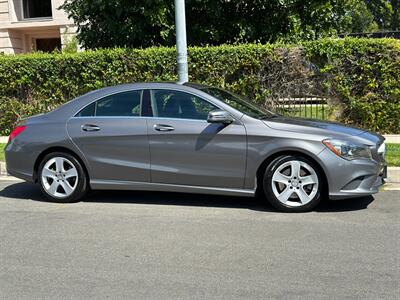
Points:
(59, 176)
(295, 182)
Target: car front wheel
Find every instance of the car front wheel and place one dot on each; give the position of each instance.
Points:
(293, 183)
(62, 178)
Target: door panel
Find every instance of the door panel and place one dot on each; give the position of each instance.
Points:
(118, 150)
(194, 152)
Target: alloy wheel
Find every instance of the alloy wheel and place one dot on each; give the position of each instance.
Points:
(295, 183)
(59, 177)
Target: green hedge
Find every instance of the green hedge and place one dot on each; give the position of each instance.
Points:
(360, 77)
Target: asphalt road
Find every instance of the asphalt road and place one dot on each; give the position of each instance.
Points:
(179, 246)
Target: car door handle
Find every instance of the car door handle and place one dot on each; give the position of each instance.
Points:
(162, 127)
(90, 127)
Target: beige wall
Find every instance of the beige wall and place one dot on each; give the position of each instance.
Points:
(4, 13)
(11, 42)
(17, 35)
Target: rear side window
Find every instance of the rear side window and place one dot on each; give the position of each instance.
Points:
(126, 104)
(88, 111)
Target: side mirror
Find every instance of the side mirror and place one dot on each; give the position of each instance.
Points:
(219, 116)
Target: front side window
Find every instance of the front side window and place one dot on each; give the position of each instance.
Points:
(180, 105)
(126, 104)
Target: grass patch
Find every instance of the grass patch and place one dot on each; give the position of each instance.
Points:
(392, 154)
(2, 146)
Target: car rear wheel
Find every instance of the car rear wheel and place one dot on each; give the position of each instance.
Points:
(293, 184)
(62, 178)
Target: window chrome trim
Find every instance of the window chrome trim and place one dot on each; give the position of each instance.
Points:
(177, 119)
(236, 122)
(111, 117)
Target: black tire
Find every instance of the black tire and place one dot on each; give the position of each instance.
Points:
(268, 188)
(82, 183)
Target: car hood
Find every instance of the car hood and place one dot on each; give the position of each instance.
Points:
(323, 128)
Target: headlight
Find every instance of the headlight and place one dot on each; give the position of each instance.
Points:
(382, 150)
(348, 150)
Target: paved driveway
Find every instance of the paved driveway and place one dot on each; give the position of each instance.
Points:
(158, 245)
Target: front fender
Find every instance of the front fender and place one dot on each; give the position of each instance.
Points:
(262, 149)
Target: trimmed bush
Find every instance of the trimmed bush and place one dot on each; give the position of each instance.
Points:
(360, 77)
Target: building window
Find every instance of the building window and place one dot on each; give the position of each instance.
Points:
(48, 45)
(37, 9)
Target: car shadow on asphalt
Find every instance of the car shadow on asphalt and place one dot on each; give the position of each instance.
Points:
(28, 191)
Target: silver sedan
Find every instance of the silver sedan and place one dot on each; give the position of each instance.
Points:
(196, 139)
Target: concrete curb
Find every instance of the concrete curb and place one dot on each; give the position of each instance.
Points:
(392, 139)
(393, 173)
(3, 170)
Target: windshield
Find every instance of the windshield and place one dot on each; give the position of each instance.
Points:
(243, 105)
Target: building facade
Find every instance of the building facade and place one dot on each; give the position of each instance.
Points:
(33, 25)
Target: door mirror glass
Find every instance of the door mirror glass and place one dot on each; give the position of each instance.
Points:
(219, 116)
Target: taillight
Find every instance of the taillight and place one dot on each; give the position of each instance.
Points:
(17, 130)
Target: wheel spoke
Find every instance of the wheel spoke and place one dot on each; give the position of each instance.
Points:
(295, 165)
(53, 187)
(279, 177)
(310, 179)
(67, 188)
(286, 193)
(304, 198)
(71, 173)
(49, 173)
(59, 164)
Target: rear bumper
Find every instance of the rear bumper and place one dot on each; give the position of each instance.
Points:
(20, 175)
(19, 162)
(351, 179)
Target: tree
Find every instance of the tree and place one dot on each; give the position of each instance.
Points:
(132, 23)
(386, 13)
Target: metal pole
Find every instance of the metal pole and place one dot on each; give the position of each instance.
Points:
(181, 44)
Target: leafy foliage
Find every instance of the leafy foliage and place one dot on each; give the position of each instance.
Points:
(361, 77)
(126, 23)
(386, 13)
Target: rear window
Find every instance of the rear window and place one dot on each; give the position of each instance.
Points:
(126, 104)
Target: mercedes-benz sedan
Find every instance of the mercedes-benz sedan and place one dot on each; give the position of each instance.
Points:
(196, 139)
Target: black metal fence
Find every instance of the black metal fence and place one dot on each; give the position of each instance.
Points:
(312, 107)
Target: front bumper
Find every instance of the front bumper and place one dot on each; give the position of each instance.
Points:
(350, 179)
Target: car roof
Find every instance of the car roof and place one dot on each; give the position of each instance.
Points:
(154, 85)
